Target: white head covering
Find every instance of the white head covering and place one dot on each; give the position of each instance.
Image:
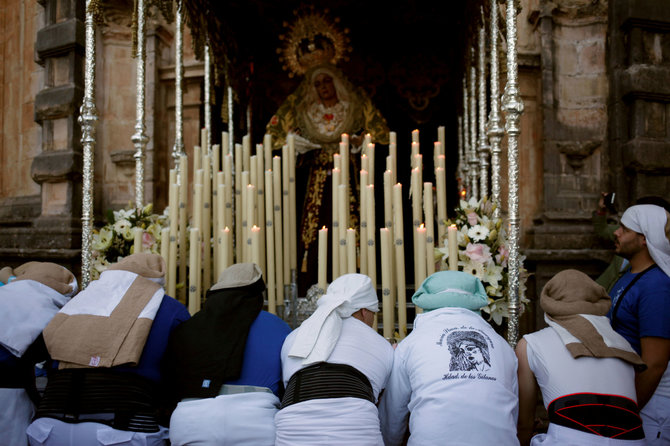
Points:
(340, 89)
(651, 220)
(318, 334)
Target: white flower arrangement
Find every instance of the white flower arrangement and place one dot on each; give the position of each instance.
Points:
(115, 240)
(483, 252)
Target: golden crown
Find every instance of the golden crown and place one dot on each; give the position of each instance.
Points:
(311, 40)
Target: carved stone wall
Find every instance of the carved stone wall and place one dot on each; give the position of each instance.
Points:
(45, 225)
(116, 91)
(640, 99)
(20, 136)
(41, 90)
(574, 83)
(605, 95)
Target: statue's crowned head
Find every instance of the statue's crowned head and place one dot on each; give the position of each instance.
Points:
(312, 39)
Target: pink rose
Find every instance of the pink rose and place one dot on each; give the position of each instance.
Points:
(478, 252)
(472, 218)
(147, 240)
(502, 256)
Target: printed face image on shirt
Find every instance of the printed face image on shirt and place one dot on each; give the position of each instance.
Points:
(469, 351)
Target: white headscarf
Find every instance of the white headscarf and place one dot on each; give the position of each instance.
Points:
(651, 220)
(318, 334)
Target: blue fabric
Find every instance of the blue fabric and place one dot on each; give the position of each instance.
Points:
(645, 308)
(7, 357)
(451, 289)
(170, 314)
(262, 353)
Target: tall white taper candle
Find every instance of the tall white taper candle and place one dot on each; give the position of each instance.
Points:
(398, 228)
(387, 300)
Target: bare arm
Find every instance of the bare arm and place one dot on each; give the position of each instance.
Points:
(527, 395)
(656, 354)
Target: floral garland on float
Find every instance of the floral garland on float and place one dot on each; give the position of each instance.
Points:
(116, 239)
(483, 252)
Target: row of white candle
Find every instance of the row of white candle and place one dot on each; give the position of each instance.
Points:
(391, 234)
(253, 222)
(277, 242)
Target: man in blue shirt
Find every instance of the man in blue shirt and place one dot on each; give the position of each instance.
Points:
(641, 310)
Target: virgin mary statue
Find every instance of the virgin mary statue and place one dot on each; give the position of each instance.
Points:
(323, 107)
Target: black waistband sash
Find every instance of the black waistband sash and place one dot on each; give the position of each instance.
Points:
(123, 401)
(327, 380)
(609, 416)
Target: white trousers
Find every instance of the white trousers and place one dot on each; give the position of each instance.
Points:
(329, 421)
(656, 420)
(564, 436)
(16, 411)
(239, 419)
(51, 432)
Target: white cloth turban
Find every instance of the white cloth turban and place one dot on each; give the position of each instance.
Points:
(318, 334)
(651, 220)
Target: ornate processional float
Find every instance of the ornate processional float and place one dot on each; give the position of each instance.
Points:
(243, 198)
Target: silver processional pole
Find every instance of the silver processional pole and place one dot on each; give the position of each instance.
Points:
(513, 107)
(88, 117)
(140, 138)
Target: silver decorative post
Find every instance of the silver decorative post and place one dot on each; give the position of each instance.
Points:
(495, 130)
(513, 108)
(140, 138)
(208, 104)
(461, 148)
(178, 149)
(482, 146)
(231, 124)
(88, 117)
(466, 138)
(473, 161)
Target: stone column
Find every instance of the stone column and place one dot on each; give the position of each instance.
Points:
(573, 108)
(639, 120)
(59, 47)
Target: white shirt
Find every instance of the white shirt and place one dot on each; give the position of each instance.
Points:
(455, 378)
(559, 374)
(338, 421)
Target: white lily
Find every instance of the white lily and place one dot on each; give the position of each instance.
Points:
(103, 239)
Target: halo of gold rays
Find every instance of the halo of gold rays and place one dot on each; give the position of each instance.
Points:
(312, 39)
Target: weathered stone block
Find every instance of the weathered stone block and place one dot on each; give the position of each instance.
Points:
(583, 33)
(19, 209)
(49, 233)
(57, 199)
(644, 81)
(566, 58)
(644, 155)
(61, 70)
(61, 132)
(56, 166)
(640, 13)
(60, 38)
(123, 157)
(594, 118)
(565, 237)
(57, 102)
(655, 124)
(592, 58)
(582, 91)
